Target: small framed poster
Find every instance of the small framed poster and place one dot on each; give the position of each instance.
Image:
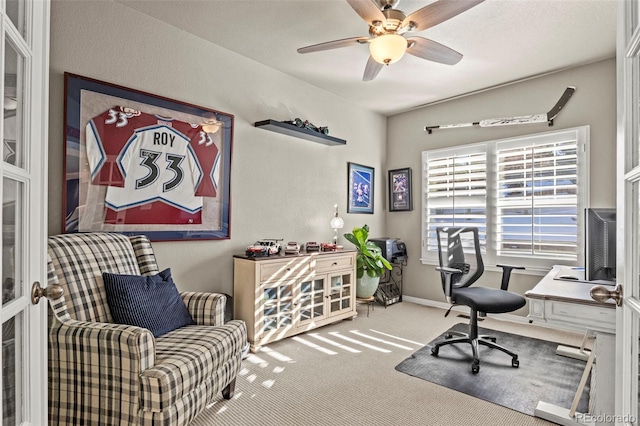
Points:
(400, 190)
(360, 190)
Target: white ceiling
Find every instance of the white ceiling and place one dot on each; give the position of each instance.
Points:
(502, 41)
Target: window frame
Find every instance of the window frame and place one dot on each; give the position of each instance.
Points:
(534, 264)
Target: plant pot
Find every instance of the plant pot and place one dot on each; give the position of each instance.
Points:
(366, 286)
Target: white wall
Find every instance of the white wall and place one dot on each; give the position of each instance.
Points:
(593, 104)
(281, 187)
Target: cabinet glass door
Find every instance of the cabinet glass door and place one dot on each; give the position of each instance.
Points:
(340, 293)
(277, 307)
(312, 300)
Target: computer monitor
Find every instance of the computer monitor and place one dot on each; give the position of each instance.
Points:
(600, 245)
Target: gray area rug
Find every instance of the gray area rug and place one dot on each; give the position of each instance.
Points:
(542, 374)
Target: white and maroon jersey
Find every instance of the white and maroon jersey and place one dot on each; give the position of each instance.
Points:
(157, 169)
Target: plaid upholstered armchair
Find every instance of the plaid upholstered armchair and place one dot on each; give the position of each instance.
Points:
(101, 372)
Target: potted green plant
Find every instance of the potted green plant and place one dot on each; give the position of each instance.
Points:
(370, 264)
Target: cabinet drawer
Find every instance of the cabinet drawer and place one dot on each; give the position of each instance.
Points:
(594, 317)
(328, 264)
(291, 268)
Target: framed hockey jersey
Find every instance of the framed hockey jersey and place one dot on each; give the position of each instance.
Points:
(140, 163)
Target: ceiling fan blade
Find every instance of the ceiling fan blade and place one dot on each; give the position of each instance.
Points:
(372, 69)
(438, 12)
(335, 44)
(367, 10)
(432, 51)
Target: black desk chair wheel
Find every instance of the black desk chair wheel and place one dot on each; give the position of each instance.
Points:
(461, 265)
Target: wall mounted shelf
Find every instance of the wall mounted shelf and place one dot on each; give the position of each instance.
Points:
(299, 132)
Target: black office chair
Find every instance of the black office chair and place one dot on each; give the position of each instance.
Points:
(460, 266)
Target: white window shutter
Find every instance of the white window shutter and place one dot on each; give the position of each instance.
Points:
(537, 203)
(455, 193)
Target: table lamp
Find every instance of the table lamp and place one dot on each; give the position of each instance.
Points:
(336, 223)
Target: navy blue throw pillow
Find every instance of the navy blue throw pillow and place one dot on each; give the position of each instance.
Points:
(151, 302)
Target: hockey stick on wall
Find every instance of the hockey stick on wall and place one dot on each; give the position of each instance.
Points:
(523, 119)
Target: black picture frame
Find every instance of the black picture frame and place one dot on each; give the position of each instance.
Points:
(86, 205)
(361, 188)
(400, 194)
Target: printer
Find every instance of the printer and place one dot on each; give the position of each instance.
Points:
(393, 249)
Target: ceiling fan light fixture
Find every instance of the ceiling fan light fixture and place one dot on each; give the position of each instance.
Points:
(388, 48)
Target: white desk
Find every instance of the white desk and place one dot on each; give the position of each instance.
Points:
(567, 304)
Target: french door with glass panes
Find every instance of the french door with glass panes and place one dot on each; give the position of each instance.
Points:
(628, 210)
(24, 25)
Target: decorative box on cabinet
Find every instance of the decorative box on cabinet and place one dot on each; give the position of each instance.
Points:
(281, 296)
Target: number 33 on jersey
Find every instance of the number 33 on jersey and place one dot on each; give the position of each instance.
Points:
(157, 169)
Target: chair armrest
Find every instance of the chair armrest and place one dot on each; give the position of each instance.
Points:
(205, 308)
(448, 280)
(93, 365)
(99, 340)
(506, 275)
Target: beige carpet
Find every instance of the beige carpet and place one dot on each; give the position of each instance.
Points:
(344, 374)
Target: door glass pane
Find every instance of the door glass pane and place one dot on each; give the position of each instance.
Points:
(635, 267)
(11, 230)
(633, 149)
(635, 395)
(285, 291)
(13, 107)
(269, 324)
(16, 10)
(336, 281)
(318, 285)
(270, 294)
(635, 15)
(12, 351)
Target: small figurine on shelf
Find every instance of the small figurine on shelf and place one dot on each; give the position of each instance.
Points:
(308, 125)
(265, 247)
(312, 246)
(328, 247)
(292, 248)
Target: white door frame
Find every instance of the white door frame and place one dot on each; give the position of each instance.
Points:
(31, 380)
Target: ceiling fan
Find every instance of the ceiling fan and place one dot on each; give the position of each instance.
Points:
(387, 30)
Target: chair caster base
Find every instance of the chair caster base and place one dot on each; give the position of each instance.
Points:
(515, 363)
(475, 367)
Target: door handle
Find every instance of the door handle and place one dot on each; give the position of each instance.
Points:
(52, 292)
(601, 294)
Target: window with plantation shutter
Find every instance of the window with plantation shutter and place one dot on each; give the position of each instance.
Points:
(455, 191)
(526, 195)
(537, 197)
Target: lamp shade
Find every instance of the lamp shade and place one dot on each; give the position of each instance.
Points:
(387, 49)
(337, 223)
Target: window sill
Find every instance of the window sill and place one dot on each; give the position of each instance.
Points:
(537, 271)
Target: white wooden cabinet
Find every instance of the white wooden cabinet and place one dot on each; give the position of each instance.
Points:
(281, 296)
